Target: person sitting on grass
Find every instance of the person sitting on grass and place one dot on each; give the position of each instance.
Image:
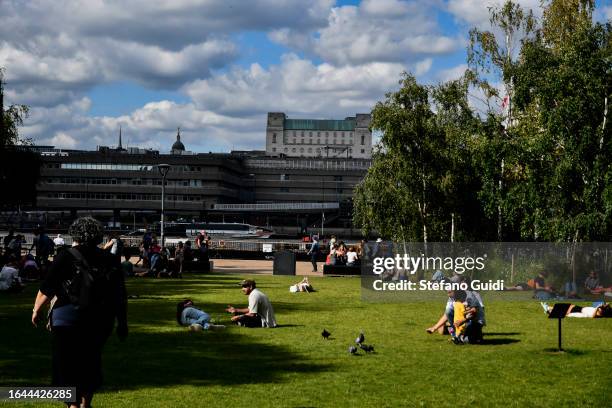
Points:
(467, 328)
(10, 282)
(197, 320)
(259, 313)
(473, 309)
(593, 285)
(603, 310)
(542, 290)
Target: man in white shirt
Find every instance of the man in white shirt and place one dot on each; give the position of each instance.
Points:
(59, 241)
(9, 277)
(259, 313)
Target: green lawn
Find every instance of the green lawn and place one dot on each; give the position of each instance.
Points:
(162, 364)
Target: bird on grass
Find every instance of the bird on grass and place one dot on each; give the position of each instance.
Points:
(360, 339)
(366, 348)
(352, 350)
(325, 334)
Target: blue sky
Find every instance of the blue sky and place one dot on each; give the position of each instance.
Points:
(215, 68)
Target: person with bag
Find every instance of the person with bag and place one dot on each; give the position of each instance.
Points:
(89, 295)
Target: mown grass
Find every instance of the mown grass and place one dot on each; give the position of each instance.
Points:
(162, 364)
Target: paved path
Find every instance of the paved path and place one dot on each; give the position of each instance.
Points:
(260, 267)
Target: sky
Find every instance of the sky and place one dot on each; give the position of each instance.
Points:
(214, 68)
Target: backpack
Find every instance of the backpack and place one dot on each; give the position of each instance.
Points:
(89, 286)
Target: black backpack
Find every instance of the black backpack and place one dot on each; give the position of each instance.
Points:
(90, 284)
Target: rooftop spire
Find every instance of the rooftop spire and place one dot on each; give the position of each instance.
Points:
(120, 147)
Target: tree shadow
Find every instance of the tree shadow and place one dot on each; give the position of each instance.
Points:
(153, 359)
(157, 352)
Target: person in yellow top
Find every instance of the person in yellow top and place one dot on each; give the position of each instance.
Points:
(459, 313)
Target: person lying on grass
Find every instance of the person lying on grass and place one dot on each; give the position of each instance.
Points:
(302, 286)
(259, 313)
(603, 310)
(188, 315)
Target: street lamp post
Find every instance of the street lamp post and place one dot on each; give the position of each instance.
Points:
(163, 171)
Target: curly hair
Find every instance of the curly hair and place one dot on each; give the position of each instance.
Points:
(87, 231)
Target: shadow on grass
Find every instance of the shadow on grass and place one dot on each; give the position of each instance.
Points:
(201, 358)
(498, 341)
(503, 334)
(156, 354)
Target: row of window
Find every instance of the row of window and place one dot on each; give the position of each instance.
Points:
(119, 167)
(115, 181)
(144, 197)
(311, 164)
(310, 141)
(301, 133)
(320, 151)
(127, 196)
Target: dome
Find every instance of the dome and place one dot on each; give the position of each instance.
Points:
(178, 145)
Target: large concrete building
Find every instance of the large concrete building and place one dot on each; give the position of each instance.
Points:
(124, 184)
(347, 138)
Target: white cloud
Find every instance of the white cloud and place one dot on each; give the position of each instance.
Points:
(63, 141)
(422, 67)
(296, 86)
(377, 30)
(476, 12)
(451, 74)
(228, 110)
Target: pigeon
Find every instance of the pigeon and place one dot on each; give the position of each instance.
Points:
(352, 350)
(360, 339)
(366, 348)
(325, 334)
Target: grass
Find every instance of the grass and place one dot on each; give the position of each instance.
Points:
(163, 365)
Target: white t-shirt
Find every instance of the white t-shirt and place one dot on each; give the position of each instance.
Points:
(8, 275)
(351, 257)
(260, 304)
(59, 241)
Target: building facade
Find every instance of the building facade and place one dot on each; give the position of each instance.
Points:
(348, 138)
(259, 187)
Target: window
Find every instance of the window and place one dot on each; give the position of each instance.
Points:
(284, 189)
(273, 137)
(284, 177)
(274, 149)
(293, 150)
(362, 151)
(310, 150)
(337, 178)
(362, 141)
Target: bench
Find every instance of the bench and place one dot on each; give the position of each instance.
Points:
(341, 270)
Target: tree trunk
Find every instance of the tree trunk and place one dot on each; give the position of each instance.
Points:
(499, 210)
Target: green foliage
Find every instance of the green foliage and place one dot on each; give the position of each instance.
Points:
(19, 168)
(540, 169)
(10, 119)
